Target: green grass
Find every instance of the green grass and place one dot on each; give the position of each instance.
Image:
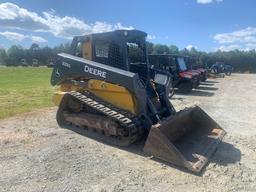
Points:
(24, 89)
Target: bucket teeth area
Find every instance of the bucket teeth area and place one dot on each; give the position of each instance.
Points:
(187, 139)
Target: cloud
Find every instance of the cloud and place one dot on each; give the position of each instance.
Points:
(13, 36)
(244, 39)
(229, 47)
(14, 17)
(246, 47)
(189, 47)
(38, 39)
(244, 36)
(151, 37)
(208, 1)
(250, 46)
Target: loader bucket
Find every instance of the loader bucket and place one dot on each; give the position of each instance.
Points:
(187, 139)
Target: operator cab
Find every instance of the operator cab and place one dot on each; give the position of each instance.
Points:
(123, 49)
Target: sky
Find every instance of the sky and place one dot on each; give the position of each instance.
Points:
(207, 25)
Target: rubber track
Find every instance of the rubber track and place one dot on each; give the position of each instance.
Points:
(128, 121)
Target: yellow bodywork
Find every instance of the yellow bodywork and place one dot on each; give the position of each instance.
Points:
(117, 95)
(114, 94)
(87, 49)
(57, 96)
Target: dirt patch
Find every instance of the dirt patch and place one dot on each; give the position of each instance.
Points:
(37, 155)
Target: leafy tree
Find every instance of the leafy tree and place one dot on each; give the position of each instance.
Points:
(173, 49)
(34, 47)
(149, 47)
(47, 55)
(15, 54)
(62, 48)
(160, 49)
(3, 57)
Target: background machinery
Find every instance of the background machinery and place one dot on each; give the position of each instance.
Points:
(183, 78)
(221, 67)
(195, 64)
(108, 92)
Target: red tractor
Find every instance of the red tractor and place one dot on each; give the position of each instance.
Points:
(197, 66)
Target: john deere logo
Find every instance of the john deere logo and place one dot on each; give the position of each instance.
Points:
(94, 71)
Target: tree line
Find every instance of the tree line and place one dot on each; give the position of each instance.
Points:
(16, 55)
(242, 61)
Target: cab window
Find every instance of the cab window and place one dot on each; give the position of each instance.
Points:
(102, 49)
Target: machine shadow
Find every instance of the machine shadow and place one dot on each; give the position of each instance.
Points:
(199, 93)
(206, 84)
(210, 81)
(224, 155)
(176, 98)
(207, 88)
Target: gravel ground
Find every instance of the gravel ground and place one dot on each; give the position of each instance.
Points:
(37, 155)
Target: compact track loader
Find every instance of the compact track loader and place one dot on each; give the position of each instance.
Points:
(108, 92)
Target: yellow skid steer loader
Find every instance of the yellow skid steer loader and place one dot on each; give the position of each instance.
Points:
(108, 91)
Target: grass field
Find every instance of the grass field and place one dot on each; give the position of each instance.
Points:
(24, 89)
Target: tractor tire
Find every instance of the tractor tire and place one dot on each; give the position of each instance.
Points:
(228, 73)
